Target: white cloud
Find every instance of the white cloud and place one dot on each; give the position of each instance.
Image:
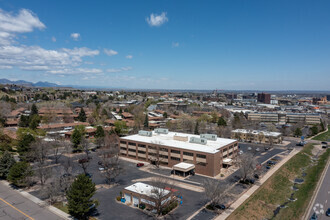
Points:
(35, 58)
(129, 56)
(118, 70)
(23, 22)
(73, 71)
(156, 20)
(110, 52)
(75, 36)
(175, 44)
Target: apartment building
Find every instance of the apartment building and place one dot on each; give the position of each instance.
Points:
(207, 152)
(256, 136)
(285, 118)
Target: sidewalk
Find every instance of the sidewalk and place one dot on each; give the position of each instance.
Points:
(248, 193)
(39, 202)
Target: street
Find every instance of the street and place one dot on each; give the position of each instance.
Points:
(15, 206)
(322, 200)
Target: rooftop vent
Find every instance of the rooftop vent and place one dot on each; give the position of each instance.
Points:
(145, 133)
(211, 137)
(198, 140)
(161, 130)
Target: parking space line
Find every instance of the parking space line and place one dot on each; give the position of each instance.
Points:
(16, 209)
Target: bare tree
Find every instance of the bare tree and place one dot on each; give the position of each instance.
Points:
(247, 164)
(109, 155)
(160, 190)
(215, 191)
(40, 151)
(43, 172)
(84, 163)
(85, 147)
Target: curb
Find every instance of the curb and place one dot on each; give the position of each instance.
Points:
(39, 202)
(310, 205)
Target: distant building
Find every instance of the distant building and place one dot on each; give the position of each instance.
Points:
(264, 98)
(257, 136)
(285, 118)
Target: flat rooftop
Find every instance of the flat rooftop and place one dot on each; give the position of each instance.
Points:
(167, 140)
(145, 189)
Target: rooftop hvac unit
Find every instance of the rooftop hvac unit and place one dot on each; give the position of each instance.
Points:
(211, 137)
(145, 133)
(161, 130)
(198, 140)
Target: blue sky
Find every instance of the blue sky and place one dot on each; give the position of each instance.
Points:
(263, 45)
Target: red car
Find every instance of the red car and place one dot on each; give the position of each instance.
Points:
(139, 164)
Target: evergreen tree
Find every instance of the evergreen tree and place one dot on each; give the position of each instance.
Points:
(314, 130)
(34, 122)
(222, 122)
(196, 128)
(34, 109)
(99, 133)
(6, 162)
(82, 115)
(146, 121)
(165, 115)
(24, 121)
(322, 126)
(79, 197)
(23, 145)
(297, 132)
(19, 173)
(76, 137)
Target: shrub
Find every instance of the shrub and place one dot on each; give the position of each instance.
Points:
(118, 198)
(142, 206)
(170, 207)
(210, 207)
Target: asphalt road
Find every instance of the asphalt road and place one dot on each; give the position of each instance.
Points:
(322, 200)
(14, 206)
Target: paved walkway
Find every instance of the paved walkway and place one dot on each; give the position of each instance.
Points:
(248, 193)
(310, 138)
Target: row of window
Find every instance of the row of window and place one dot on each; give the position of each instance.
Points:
(164, 150)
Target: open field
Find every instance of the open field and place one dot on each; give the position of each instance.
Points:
(277, 190)
(324, 136)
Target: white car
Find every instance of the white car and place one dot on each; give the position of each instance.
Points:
(101, 168)
(249, 148)
(258, 149)
(240, 152)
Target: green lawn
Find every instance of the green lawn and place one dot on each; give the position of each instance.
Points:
(62, 207)
(277, 189)
(323, 137)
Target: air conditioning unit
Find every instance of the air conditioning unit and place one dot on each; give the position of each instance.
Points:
(161, 130)
(196, 140)
(211, 137)
(145, 133)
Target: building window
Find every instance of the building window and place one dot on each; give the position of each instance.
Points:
(163, 149)
(132, 144)
(202, 164)
(142, 145)
(175, 151)
(188, 154)
(123, 148)
(141, 152)
(163, 156)
(201, 156)
(152, 148)
(151, 154)
(175, 158)
(123, 142)
(132, 150)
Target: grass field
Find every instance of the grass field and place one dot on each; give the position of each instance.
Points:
(62, 207)
(324, 136)
(277, 189)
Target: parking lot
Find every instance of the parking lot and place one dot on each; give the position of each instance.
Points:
(192, 200)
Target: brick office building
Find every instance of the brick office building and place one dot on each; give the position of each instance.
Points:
(206, 151)
(264, 98)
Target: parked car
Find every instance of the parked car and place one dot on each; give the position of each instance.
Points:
(240, 152)
(327, 213)
(324, 142)
(267, 167)
(300, 144)
(249, 148)
(324, 146)
(101, 168)
(221, 206)
(314, 216)
(258, 149)
(139, 164)
(270, 162)
(99, 163)
(88, 175)
(256, 176)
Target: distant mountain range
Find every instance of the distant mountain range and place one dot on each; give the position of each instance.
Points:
(26, 83)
